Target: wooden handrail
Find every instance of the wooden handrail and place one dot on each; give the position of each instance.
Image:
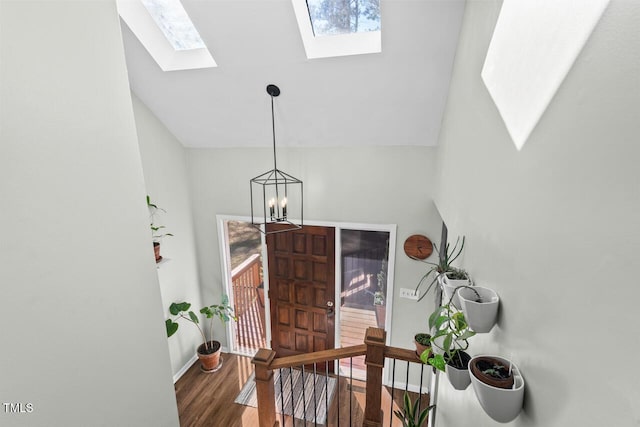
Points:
(246, 265)
(375, 352)
(318, 356)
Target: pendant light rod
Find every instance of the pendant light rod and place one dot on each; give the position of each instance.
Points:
(273, 90)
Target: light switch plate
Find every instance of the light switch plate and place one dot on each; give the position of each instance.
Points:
(409, 294)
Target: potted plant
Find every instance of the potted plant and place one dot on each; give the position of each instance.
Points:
(409, 415)
(451, 335)
(437, 270)
(156, 230)
(381, 309)
(423, 344)
(452, 280)
(480, 306)
(498, 385)
(209, 351)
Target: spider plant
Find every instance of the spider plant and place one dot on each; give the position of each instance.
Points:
(444, 264)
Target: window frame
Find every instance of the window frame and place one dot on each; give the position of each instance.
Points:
(328, 46)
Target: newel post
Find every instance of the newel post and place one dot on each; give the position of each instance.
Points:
(264, 387)
(375, 340)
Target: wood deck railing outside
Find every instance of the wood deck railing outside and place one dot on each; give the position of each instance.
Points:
(374, 350)
(245, 279)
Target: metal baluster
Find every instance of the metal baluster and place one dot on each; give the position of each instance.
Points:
(393, 388)
(315, 399)
(326, 394)
(350, 388)
(293, 417)
(338, 365)
(420, 389)
(304, 400)
(406, 383)
(281, 398)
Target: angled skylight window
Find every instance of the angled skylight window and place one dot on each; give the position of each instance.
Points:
(174, 23)
(331, 17)
(339, 27)
(166, 31)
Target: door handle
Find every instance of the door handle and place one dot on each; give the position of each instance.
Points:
(330, 312)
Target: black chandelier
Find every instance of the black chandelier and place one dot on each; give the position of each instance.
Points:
(276, 196)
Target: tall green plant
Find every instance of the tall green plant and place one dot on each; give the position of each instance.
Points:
(156, 230)
(409, 414)
(442, 266)
(221, 311)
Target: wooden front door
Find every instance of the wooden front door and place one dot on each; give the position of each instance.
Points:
(302, 289)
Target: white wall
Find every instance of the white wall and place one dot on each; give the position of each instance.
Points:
(553, 228)
(165, 173)
(381, 185)
(83, 339)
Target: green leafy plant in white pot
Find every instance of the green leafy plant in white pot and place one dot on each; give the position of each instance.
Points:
(209, 351)
(449, 342)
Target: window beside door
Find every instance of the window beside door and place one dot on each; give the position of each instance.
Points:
(364, 257)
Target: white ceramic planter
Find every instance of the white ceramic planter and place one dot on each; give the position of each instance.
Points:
(459, 378)
(481, 316)
(449, 286)
(503, 405)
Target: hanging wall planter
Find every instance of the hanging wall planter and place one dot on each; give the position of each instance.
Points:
(501, 404)
(452, 280)
(459, 375)
(480, 307)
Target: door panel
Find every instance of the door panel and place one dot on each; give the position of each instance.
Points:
(302, 282)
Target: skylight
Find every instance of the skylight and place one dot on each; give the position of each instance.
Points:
(339, 27)
(166, 31)
(174, 23)
(331, 17)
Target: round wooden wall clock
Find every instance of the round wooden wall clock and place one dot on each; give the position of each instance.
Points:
(418, 246)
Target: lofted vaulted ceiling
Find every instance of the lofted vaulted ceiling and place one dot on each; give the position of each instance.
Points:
(396, 97)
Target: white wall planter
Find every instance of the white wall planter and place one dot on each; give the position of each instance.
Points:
(459, 378)
(481, 316)
(449, 286)
(503, 405)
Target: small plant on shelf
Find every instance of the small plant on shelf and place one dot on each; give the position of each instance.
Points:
(423, 343)
(157, 231)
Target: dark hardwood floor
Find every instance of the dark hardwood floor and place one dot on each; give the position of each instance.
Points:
(207, 400)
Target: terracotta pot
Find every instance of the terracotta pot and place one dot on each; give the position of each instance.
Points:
(209, 362)
(156, 251)
(477, 366)
(420, 348)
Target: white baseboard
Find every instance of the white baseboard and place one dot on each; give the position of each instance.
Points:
(412, 387)
(184, 369)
